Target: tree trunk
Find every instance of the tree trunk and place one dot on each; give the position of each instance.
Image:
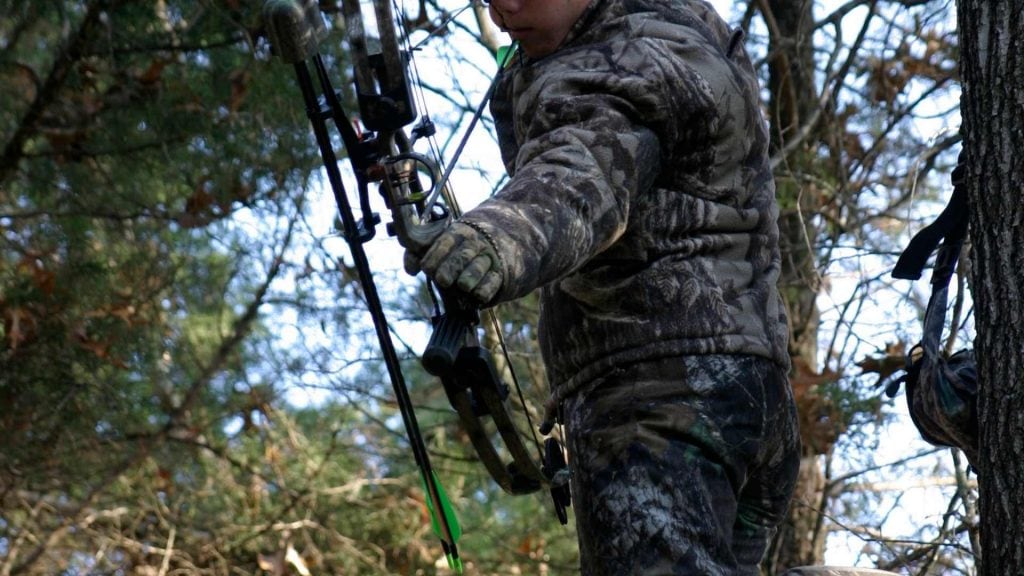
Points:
(992, 66)
(793, 99)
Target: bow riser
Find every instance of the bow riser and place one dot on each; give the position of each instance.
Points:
(404, 195)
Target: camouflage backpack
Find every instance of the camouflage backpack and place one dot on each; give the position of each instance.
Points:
(942, 390)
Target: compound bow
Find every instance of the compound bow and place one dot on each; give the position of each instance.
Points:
(384, 155)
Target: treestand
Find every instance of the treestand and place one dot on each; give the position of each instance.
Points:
(835, 571)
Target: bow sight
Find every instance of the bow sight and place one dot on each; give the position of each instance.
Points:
(384, 156)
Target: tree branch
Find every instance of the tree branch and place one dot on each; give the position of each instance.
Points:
(15, 148)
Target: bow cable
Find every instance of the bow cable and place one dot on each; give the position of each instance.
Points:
(442, 26)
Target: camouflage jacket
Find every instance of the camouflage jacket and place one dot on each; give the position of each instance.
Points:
(641, 200)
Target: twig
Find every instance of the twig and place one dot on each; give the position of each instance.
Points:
(166, 564)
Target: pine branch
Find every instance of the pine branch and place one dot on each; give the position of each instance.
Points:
(73, 51)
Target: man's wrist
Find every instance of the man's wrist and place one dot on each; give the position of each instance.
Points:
(490, 240)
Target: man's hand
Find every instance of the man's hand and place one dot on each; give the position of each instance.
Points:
(464, 258)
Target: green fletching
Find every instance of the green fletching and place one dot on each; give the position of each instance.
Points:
(455, 564)
(451, 552)
(505, 53)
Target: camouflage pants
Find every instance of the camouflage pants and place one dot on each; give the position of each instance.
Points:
(681, 466)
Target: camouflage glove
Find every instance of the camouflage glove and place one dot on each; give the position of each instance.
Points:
(464, 257)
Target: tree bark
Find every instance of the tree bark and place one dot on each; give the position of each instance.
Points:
(793, 101)
(992, 67)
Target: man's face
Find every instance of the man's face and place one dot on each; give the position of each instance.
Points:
(538, 25)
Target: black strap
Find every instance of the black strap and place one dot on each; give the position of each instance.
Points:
(950, 226)
(951, 229)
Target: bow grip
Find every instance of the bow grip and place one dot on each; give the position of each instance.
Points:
(450, 332)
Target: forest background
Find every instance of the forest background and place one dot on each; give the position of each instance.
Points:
(188, 379)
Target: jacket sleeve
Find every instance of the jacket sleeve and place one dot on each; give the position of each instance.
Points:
(594, 124)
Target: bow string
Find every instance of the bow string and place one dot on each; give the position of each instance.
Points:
(383, 154)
